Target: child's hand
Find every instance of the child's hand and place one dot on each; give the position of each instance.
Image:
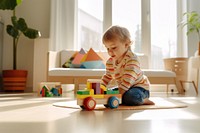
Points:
(115, 89)
(121, 91)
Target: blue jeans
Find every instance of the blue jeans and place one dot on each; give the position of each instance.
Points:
(135, 96)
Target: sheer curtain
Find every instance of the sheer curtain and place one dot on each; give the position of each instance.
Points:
(163, 31)
(63, 24)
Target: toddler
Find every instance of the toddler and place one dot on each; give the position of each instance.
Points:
(124, 67)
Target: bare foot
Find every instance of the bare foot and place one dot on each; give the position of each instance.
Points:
(148, 102)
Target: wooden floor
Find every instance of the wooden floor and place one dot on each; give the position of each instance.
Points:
(28, 113)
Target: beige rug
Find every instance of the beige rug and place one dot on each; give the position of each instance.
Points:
(160, 103)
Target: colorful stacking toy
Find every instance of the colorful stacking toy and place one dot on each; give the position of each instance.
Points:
(95, 93)
(54, 91)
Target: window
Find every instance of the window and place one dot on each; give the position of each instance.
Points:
(152, 24)
(163, 31)
(127, 13)
(90, 24)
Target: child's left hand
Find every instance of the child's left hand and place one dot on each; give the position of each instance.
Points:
(121, 91)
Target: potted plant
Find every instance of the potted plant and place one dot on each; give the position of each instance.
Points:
(193, 23)
(16, 79)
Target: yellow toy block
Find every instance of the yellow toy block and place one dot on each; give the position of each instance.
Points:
(103, 87)
(98, 96)
(89, 85)
(94, 96)
(82, 96)
(91, 92)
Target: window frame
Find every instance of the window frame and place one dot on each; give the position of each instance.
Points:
(145, 26)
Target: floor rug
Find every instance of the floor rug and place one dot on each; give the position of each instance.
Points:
(160, 103)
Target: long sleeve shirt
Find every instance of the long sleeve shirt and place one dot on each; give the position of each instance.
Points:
(127, 73)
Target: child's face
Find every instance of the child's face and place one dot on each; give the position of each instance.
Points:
(116, 49)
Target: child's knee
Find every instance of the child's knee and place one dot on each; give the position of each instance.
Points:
(132, 97)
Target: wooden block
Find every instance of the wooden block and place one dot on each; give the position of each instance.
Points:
(94, 80)
(110, 95)
(112, 92)
(98, 89)
(103, 87)
(91, 92)
(83, 92)
(89, 85)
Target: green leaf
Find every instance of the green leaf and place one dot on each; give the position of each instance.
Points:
(198, 25)
(193, 22)
(9, 4)
(21, 25)
(12, 31)
(191, 30)
(19, 2)
(32, 33)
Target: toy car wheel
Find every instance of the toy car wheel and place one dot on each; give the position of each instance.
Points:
(113, 102)
(106, 105)
(82, 107)
(89, 103)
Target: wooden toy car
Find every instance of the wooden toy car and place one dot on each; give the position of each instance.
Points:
(95, 93)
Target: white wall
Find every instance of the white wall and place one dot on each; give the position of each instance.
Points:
(37, 15)
(41, 47)
(193, 5)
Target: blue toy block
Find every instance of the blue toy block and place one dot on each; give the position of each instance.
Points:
(54, 91)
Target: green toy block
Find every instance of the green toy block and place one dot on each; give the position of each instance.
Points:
(45, 87)
(112, 92)
(83, 92)
(49, 95)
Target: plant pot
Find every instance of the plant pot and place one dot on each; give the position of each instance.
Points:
(14, 80)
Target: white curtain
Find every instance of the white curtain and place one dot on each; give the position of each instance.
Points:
(63, 24)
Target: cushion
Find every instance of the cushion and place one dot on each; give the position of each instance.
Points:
(92, 60)
(81, 59)
(76, 63)
(68, 63)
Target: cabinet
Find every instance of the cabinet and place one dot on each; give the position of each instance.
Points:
(194, 67)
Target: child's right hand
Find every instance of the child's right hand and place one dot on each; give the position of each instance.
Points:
(115, 89)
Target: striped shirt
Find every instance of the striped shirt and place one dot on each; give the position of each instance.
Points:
(127, 73)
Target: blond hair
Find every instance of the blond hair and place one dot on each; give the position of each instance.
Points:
(116, 32)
